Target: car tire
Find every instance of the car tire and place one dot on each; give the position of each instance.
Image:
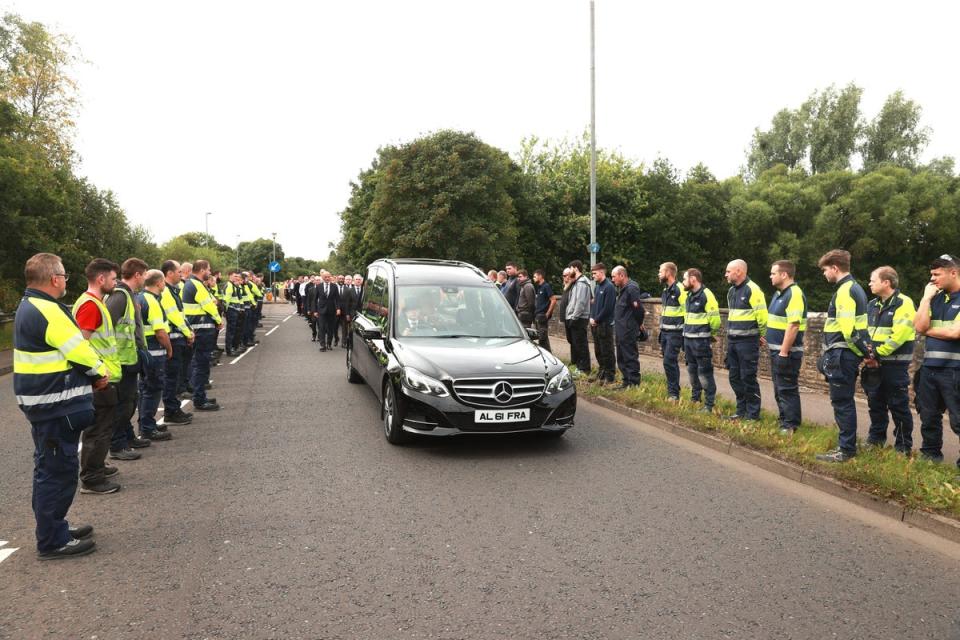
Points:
(392, 412)
(352, 376)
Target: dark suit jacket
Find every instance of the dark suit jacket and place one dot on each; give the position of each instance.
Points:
(349, 301)
(326, 305)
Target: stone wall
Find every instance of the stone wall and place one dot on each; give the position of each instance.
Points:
(812, 340)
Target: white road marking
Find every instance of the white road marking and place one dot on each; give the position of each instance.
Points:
(288, 317)
(6, 553)
(237, 359)
(272, 330)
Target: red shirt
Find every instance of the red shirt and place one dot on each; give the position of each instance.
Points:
(88, 315)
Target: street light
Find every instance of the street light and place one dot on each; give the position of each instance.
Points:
(238, 252)
(274, 234)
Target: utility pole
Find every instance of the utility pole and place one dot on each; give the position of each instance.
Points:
(238, 252)
(274, 259)
(206, 228)
(593, 145)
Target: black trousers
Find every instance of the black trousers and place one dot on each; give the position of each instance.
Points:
(543, 331)
(579, 347)
(96, 439)
(603, 349)
(328, 328)
(628, 357)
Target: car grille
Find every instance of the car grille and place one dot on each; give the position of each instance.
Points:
(483, 392)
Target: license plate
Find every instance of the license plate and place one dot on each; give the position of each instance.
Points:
(502, 415)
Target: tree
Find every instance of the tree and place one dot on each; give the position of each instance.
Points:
(894, 136)
(835, 125)
(785, 143)
(446, 195)
(257, 254)
(35, 78)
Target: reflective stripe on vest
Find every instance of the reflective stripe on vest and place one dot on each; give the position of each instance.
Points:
(102, 340)
(944, 312)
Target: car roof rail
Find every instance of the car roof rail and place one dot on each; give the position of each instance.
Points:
(433, 261)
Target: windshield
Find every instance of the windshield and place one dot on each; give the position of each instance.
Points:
(433, 311)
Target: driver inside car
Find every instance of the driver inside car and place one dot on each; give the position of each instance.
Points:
(419, 318)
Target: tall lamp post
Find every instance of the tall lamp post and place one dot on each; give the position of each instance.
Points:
(238, 252)
(593, 146)
(206, 228)
(274, 259)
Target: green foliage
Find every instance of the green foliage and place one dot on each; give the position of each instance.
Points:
(257, 254)
(894, 136)
(446, 195)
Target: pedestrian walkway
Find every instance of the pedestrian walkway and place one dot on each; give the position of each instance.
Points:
(6, 361)
(816, 403)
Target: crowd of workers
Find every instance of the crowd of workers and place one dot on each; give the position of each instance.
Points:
(872, 340)
(136, 338)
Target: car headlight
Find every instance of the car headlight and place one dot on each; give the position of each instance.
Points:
(559, 382)
(413, 379)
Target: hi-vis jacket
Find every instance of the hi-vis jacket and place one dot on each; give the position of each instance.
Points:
(53, 364)
(890, 324)
(199, 306)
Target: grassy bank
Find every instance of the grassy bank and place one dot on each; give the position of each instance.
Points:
(917, 483)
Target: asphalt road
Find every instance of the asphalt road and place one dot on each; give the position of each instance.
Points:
(287, 515)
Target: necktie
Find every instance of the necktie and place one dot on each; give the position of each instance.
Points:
(326, 289)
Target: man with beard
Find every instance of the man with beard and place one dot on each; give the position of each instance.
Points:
(673, 302)
(96, 326)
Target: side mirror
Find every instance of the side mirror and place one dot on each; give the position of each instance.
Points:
(533, 334)
(373, 333)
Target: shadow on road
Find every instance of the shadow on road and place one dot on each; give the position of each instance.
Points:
(487, 447)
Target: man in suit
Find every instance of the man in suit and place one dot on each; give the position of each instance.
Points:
(327, 309)
(349, 301)
(309, 304)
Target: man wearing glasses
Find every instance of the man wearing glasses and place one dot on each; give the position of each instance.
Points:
(55, 372)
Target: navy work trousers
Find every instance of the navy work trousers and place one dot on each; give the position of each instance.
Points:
(55, 468)
(173, 369)
(939, 388)
(743, 358)
(671, 343)
(698, 353)
(233, 335)
(891, 397)
(786, 387)
(203, 344)
(151, 390)
(841, 367)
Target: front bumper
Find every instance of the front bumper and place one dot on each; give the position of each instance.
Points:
(432, 416)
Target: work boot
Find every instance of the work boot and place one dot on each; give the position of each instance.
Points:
(124, 454)
(110, 471)
(139, 443)
(157, 436)
(835, 455)
(73, 549)
(101, 488)
(209, 405)
(178, 418)
(81, 531)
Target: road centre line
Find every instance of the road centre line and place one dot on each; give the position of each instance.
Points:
(287, 318)
(272, 330)
(6, 553)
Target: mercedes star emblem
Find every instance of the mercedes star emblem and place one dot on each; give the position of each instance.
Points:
(502, 391)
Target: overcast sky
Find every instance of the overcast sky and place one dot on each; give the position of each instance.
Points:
(262, 113)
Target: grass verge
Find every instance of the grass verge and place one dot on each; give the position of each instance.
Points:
(914, 482)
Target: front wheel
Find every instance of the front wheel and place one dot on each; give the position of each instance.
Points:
(352, 376)
(393, 414)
